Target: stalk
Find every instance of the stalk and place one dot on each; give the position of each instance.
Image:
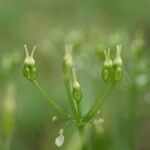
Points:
(51, 103)
(82, 137)
(133, 104)
(73, 104)
(99, 103)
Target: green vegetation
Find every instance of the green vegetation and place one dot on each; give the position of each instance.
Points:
(86, 82)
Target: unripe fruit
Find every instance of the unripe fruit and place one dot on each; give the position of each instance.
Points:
(107, 67)
(76, 90)
(105, 75)
(30, 72)
(117, 74)
(118, 60)
(117, 65)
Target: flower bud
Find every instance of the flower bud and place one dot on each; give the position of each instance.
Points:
(117, 65)
(107, 67)
(76, 91)
(118, 61)
(29, 71)
(67, 62)
(108, 62)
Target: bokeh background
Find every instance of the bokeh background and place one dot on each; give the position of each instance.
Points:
(92, 26)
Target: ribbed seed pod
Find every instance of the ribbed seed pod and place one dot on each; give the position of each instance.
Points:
(117, 65)
(117, 74)
(118, 60)
(30, 72)
(76, 93)
(107, 67)
(76, 90)
(105, 75)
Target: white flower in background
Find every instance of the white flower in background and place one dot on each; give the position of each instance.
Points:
(98, 125)
(142, 80)
(59, 141)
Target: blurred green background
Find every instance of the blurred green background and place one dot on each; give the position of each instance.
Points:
(92, 26)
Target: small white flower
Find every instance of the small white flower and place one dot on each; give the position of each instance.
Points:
(98, 125)
(59, 141)
(54, 118)
(29, 60)
(142, 80)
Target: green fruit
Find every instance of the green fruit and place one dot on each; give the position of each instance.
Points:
(77, 94)
(30, 72)
(117, 74)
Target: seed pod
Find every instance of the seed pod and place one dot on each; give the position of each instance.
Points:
(29, 70)
(118, 60)
(117, 74)
(76, 90)
(117, 65)
(107, 67)
(76, 93)
(105, 75)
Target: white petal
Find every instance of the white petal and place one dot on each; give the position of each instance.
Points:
(100, 121)
(59, 141)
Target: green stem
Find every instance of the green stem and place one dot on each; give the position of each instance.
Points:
(71, 100)
(132, 112)
(51, 103)
(82, 137)
(7, 143)
(79, 110)
(99, 103)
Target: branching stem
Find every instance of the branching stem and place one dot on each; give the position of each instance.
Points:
(51, 103)
(99, 103)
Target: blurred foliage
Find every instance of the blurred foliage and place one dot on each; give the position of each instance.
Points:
(92, 26)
